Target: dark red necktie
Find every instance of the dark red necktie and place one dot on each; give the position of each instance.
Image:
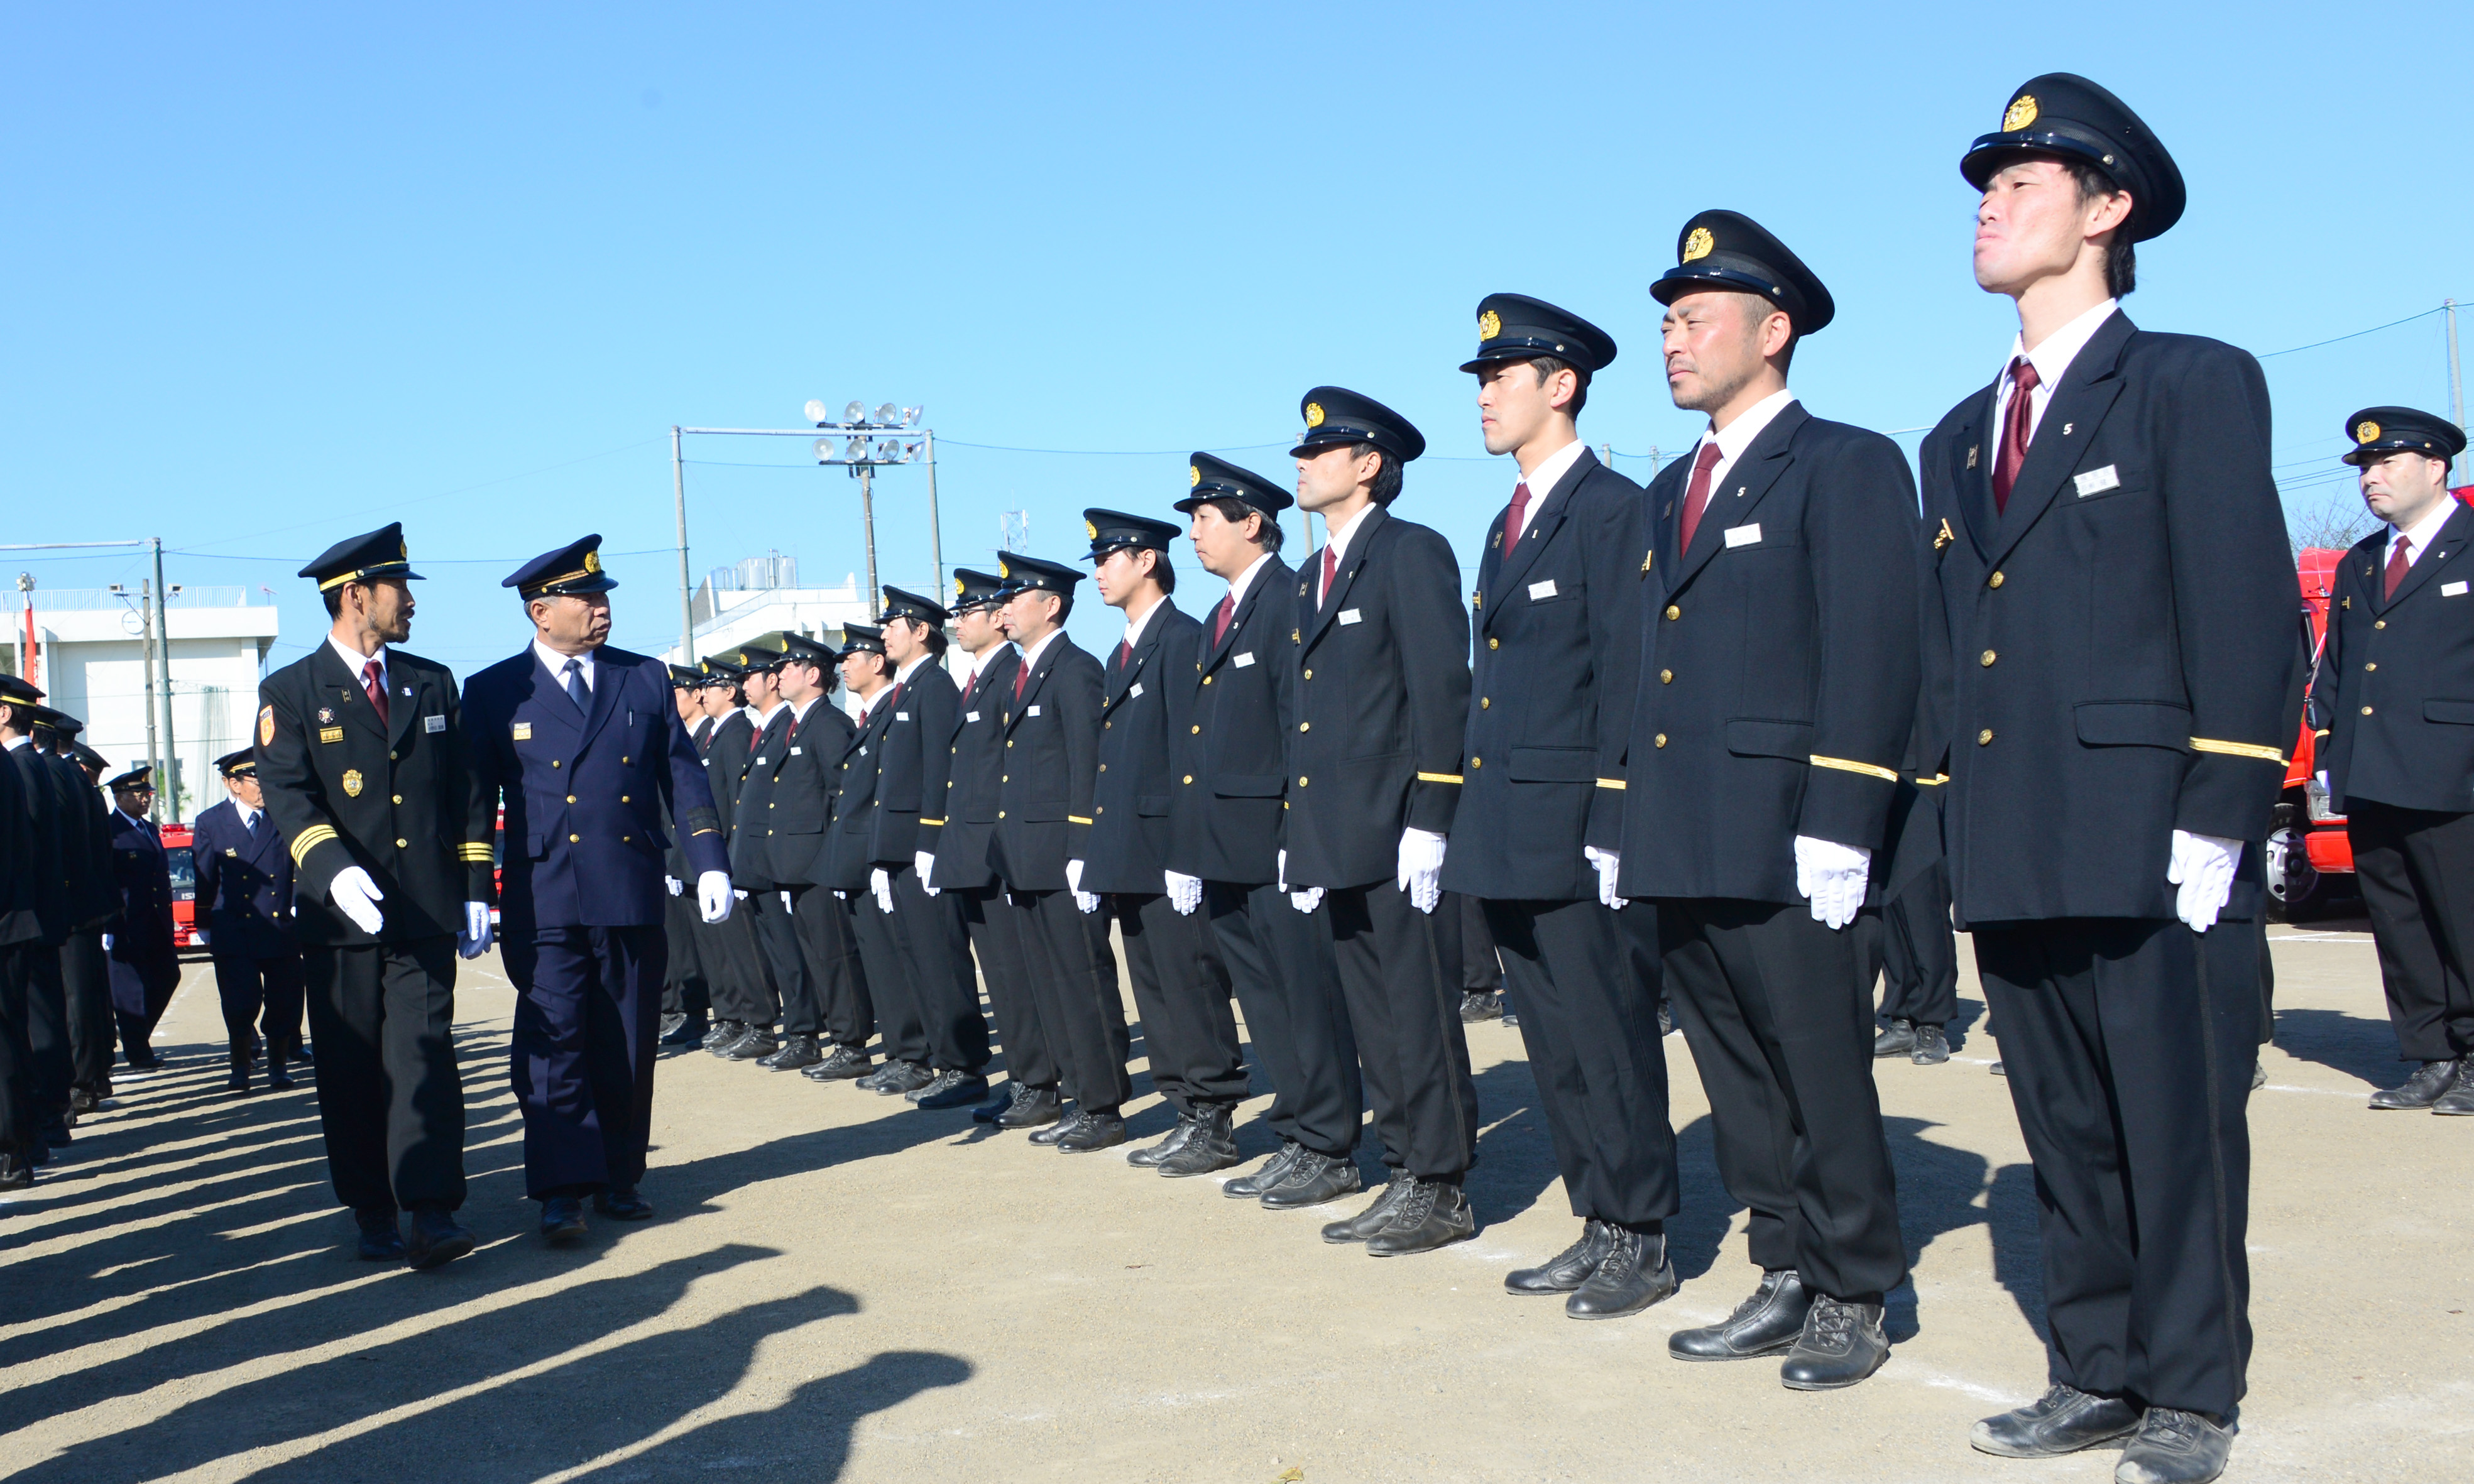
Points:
(373, 682)
(1331, 570)
(1512, 523)
(895, 699)
(1696, 494)
(2017, 418)
(1020, 678)
(2398, 565)
(1125, 653)
(1227, 611)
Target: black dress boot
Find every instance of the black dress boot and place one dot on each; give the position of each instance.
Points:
(669, 1025)
(952, 1088)
(2063, 1420)
(562, 1221)
(998, 1107)
(1064, 1123)
(2173, 1446)
(621, 1202)
(797, 1052)
(1478, 1004)
(1033, 1108)
(1896, 1039)
(1932, 1045)
(903, 1077)
(2457, 1100)
(722, 1033)
(1435, 1213)
(1272, 1171)
(1568, 1269)
(437, 1239)
(2427, 1083)
(691, 1030)
(1766, 1323)
(756, 1044)
(1092, 1132)
(380, 1240)
(236, 1080)
(1314, 1179)
(844, 1063)
(1634, 1276)
(1153, 1154)
(1212, 1146)
(1378, 1215)
(1842, 1343)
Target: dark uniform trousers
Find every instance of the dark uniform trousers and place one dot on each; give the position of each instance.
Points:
(2146, 1285)
(21, 1117)
(1909, 946)
(1181, 992)
(1481, 963)
(742, 981)
(1400, 975)
(1588, 1019)
(890, 992)
(2416, 867)
(936, 961)
(1281, 965)
(686, 988)
(583, 1053)
(1074, 984)
(85, 976)
(252, 989)
(995, 932)
(822, 924)
(382, 1016)
(785, 993)
(50, 1059)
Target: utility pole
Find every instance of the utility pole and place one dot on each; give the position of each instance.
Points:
(935, 537)
(686, 605)
(146, 646)
(2456, 379)
(167, 781)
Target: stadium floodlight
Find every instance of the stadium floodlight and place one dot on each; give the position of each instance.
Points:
(818, 411)
(888, 451)
(855, 412)
(910, 416)
(824, 451)
(855, 450)
(887, 413)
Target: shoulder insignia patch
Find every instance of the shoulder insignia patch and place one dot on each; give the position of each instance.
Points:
(265, 726)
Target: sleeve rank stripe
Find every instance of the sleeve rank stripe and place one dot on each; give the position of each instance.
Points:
(309, 839)
(1845, 765)
(1438, 777)
(932, 821)
(1075, 819)
(1610, 783)
(2235, 749)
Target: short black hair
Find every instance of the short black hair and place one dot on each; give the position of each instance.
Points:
(333, 598)
(1163, 571)
(1386, 474)
(2121, 254)
(1268, 536)
(1547, 365)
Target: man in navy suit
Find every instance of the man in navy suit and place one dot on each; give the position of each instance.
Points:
(245, 899)
(145, 964)
(583, 743)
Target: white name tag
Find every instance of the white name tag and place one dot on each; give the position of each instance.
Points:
(1539, 589)
(1244, 659)
(1032, 712)
(970, 716)
(1136, 691)
(2096, 481)
(760, 759)
(901, 716)
(1749, 535)
(1348, 616)
(795, 752)
(2452, 590)
(439, 723)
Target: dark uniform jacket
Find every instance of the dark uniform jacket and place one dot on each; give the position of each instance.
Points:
(1382, 699)
(849, 857)
(959, 836)
(43, 900)
(674, 861)
(727, 750)
(397, 798)
(1778, 664)
(243, 885)
(589, 794)
(22, 861)
(1557, 658)
(1146, 718)
(915, 759)
(2120, 638)
(751, 836)
(2394, 694)
(1231, 775)
(144, 962)
(803, 757)
(1049, 766)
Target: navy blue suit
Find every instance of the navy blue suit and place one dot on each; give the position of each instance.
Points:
(588, 794)
(245, 899)
(145, 966)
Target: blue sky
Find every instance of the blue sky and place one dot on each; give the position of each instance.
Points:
(277, 275)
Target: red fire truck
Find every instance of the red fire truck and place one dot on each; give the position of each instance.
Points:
(184, 885)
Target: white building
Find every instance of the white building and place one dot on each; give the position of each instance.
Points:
(93, 667)
(762, 595)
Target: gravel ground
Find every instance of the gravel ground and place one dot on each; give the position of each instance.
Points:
(841, 1286)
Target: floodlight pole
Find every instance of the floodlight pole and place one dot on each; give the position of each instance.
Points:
(867, 515)
(2456, 375)
(935, 538)
(687, 602)
(167, 780)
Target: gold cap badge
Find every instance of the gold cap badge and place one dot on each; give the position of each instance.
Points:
(351, 783)
(1193, 474)
(2366, 431)
(593, 561)
(1004, 571)
(2020, 113)
(1090, 530)
(1314, 414)
(265, 725)
(1488, 325)
(1699, 244)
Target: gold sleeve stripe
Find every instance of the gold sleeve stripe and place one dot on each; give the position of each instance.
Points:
(472, 852)
(1075, 819)
(1935, 781)
(932, 821)
(705, 832)
(1610, 783)
(309, 839)
(2234, 750)
(1438, 777)
(1845, 765)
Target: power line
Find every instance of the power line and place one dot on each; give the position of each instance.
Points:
(2355, 335)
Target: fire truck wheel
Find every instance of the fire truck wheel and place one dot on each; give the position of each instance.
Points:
(2295, 886)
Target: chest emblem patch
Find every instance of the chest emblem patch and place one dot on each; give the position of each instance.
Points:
(330, 734)
(351, 783)
(326, 714)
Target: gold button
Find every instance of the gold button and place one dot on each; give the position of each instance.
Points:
(2379, 623)
(1483, 703)
(575, 838)
(1302, 783)
(1659, 740)
(1000, 813)
(1494, 644)
(2372, 666)
(626, 840)
(1007, 778)
(1197, 731)
(399, 845)
(1188, 778)
(1666, 677)
(622, 760)
(949, 782)
(2366, 710)
(398, 798)
(1477, 761)
(1309, 674)
(1985, 736)
(1305, 726)
(1206, 680)
(1103, 768)
(1008, 742)
(392, 757)
(553, 762)
(1101, 810)
(622, 798)
(1993, 581)
(570, 799)
(1674, 612)
(1107, 727)
(1987, 660)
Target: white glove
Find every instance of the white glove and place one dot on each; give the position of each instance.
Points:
(357, 897)
(882, 885)
(715, 896)
(838, 896)
(785, 900)
(474, 941)
(1421, 867)
(1284, 871)
(735, 893)
(926, 865)
(1087, 901)
(2203, 867)
(198, 933)
(1184, 893)
(1607, 862)
(1306, 900)
(107, 942)
(675, 885)
(1833, 876)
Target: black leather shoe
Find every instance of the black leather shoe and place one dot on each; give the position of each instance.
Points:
(2459, 1099)
(1034, 1107)
(1213, 1145)
(621, 1202)
(278, 1078)
(380, 1241)
(1064, 1123)
(237, 1081)
(842, 1065)
(1271, 1171)
(1635, 1275)
(83, 1100)
(755, 1046)
(1510, 1017)
(903, 1077)
(1766, 1323)
(1378, 1215)
(2428, 1083)
(2064, 1420)
(562, 1221)
(1932, 1045)
(1665, 1016)
(1996, 1070)
(1895, 1039)
(1841, 1345)
(1314, 1179)
(1096, 1131)
(1568, 1269)
(2174, 1447)
(1151, 1154)
(1433, 1214)
(1002, 1104)
(436, 1239)
(1478, 1004)
(691, 1030)
(671, 1020)
(797, 1052)
(952, 1088)
(15, 1172)
(722, 1033)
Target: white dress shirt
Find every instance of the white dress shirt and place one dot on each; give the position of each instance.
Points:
(1738, 436)
(1134, 627)
(1030, 656)
(556, 664)
(1336, 541)
(1244, 580)
(2052, 357)
(2422, 533)
(358, 664)
(1542, 483)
